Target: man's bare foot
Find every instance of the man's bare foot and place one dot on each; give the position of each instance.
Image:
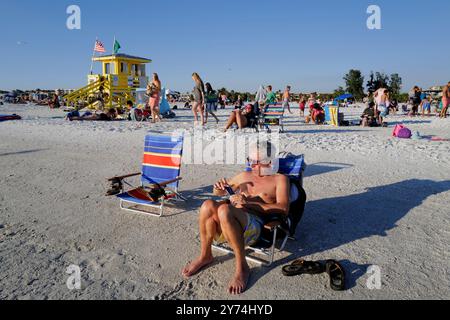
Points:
(239, 282)
(195, 266)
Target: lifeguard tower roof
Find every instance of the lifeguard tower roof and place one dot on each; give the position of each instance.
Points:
(122, 56)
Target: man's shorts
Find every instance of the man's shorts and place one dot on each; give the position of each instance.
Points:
(252, 231)
(383, 110)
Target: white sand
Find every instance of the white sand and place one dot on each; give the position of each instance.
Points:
(372, 200)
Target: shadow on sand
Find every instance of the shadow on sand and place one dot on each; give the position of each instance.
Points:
(324, 167)
(21, 152)
(333, 222)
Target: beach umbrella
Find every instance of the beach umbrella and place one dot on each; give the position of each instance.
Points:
(343, 97)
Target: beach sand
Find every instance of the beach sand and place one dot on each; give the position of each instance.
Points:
(372, 200)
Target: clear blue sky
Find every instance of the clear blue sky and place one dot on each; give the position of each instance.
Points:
(237, 44)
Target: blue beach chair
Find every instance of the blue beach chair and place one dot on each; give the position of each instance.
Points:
(278, 227)
(160, 176)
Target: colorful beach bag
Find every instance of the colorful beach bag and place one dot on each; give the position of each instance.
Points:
(400, 131)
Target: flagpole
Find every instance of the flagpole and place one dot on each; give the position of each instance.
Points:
(93, 56)
(114, 44)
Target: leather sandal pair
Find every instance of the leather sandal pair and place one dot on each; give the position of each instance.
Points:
(333, 268)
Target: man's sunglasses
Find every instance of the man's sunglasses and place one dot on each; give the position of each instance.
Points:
(254, 163)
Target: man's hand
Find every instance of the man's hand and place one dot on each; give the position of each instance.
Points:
(221, 185)
(238, 200)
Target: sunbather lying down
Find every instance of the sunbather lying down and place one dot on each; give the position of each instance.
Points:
(238, 221)
(110, 115)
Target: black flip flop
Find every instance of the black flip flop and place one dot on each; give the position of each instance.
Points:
(337, 275)
(299, 267)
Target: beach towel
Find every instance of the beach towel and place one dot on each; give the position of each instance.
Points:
(9, 117)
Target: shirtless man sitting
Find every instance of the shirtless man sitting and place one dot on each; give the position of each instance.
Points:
(238, 222)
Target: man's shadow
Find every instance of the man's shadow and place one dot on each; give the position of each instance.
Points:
(333, 222)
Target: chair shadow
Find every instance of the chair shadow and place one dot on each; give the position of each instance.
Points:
(326, 131)
(333, 222)
(195, 199)
(324, 167)
(393, 123)
(21, 152)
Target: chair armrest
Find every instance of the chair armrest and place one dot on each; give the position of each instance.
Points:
(273, 221)
(124, 177)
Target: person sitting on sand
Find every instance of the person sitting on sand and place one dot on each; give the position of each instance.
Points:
(318, 114)
(425, 105)
(368, 118)
(242, 118)
(109, 116)
(239, 221)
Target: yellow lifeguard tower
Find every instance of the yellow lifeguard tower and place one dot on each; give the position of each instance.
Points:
(121, 76)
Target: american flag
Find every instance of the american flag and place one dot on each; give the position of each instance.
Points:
(99, 47)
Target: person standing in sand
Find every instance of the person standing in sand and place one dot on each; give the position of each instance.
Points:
(238, 221)
(445, 100)
(271, 97)
(287, 99)
(154, 93)
(302, 105)
(382, 100)
(199, 99)
(211, 102)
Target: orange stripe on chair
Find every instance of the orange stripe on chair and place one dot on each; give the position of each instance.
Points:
(172, 161)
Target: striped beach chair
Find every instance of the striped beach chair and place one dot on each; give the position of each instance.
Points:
(277, 227)
(273, 115)
(160, 176)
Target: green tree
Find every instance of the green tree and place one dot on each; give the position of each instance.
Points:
(354, 82)
(381, 80)
(339, 92)
(395, 85)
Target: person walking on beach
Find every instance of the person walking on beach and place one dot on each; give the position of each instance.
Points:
(154, 93)
(382, 100)
(445, 100)
(211, 102)
(271, 97)
(199, 99)
(287, 98)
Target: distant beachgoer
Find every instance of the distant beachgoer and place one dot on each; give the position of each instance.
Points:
(445, 100)
(239, 103)
(415, 100)
(287, 98)
(393, 107)
(271, 98)
(55, 104)
(223, 101)
(199, 99)
(302, 104)
(382, 101)
(425, 105)
(154, 93)
(368, 118)
(211, 102)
